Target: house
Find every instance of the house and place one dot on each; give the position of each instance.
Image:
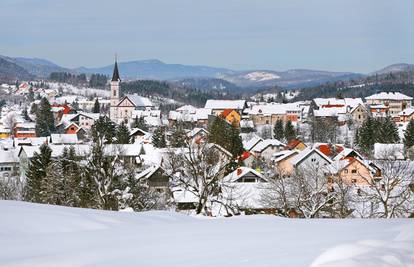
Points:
(63, 139)
(394, 101)
(218, 106)
(139, 135)
(311, 159)
(81, 120)
(406, 115)
(198, 135)
(4, 132)
(231, 116)
(251, 141)
(9, 163)
(295, 144)
(379, 111)
(155, 178)
(359, 113)
(282, 161)
(268, 114)
(24, 130)
(267, 148)
(189, 116)
(243, 189)
(353, 170)
(248, 159)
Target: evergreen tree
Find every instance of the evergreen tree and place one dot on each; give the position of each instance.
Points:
(219, 132)
(290, 132)
(51, 189)
(409, 135)
(236, 144)
(366, 136)
(278, 130)
(96, 107)
(25, 115)
(178, 137)
(30, 96)
(140, 123)
(33, 108)
(122, 134)
(45, 123)
(37, 171)
(103, 131)
(158, 138)
(387, 132)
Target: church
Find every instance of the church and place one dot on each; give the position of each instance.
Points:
(124, 109)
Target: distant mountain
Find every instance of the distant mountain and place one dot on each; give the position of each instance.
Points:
(10, 71)
(400, 67)
(37, 67)
(287, 79)
(157, 70)
(207, 84)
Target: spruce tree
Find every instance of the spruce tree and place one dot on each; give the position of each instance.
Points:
(290, 132)
(45, 123)
(217, 131)
(96, 107)
(236, 145)
(36, 172)
(103, 131)
(158, 138)
(409, 135)
(51, 186)
(278, 131)
(122, 134)
(387, 132)
(366, 136)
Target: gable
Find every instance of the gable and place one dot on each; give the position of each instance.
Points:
(126, 102)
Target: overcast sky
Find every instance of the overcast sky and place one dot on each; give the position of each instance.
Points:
(341, 35)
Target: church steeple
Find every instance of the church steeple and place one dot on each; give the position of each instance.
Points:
(115, 75)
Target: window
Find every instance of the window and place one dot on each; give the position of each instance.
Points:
(354, 181)
(354, 171)
(346, 171)
(114, 92)
(249, 180)
(313, 160)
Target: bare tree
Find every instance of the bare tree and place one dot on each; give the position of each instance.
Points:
(197, 169)
(391, 195)
(306, 191)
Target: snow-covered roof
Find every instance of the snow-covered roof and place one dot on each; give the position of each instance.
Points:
(57, 150)
(246, 124)
(195, 131)
(266, 143)
(406, 112)
(241, 172)
(329, 112)
(389, 96)
(281, 155)
(147, 172)
(128, 150)
(225, 104)
(9, 156)
(306, 152)
(140, 101)
(273, 108)
(187, 108)
(389, 151)
(252, 142)
(64, 139)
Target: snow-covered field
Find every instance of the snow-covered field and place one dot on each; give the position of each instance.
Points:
(42, 235)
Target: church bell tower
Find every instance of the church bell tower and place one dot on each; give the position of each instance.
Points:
(113, 111)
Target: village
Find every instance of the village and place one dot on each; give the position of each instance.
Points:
(297, 159)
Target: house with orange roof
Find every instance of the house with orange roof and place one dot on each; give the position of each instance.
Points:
(231, 116)
(295, 144)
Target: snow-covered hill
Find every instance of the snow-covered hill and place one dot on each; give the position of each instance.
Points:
(42, 235)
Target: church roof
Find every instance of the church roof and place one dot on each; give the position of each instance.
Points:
(115, 75)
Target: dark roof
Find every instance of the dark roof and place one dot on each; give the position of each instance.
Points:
(115, 76)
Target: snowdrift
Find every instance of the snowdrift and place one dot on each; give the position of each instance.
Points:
(43, 235)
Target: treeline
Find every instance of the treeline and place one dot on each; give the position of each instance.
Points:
(179, 93)
(66, 77)
(95, 80)
(392, 82)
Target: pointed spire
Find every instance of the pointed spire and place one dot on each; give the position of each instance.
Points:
(115, 75)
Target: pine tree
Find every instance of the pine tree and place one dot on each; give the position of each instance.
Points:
(158, 139)
(178, 137)
(217, 131)
(290, 132)
(37, 171)
(278, 130)
(103, 131)
(45, 123)
(409, 135)
(51, 186)
(96, 107)
(122, 134)
(387, 132)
